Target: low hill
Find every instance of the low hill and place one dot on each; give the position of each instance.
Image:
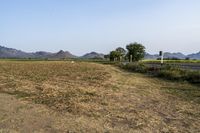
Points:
(13, 53)
(149, 56)
(174, 55)
(42, 54)
(195, 56)
(62, 54)
(177, 55)
(93, 55)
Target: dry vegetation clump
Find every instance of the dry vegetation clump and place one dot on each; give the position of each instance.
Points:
(62, 86)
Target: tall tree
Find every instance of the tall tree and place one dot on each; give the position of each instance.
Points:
(114, 55)
(136, 50)
(121, 50)
(107, 56)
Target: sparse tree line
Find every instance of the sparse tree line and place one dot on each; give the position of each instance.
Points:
(134, 52)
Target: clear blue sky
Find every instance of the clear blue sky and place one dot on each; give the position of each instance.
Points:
(81, 26)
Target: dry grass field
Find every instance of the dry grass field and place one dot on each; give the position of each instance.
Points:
(61, 96)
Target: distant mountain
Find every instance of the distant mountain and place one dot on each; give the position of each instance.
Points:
(14, 53)
(194, 56)
(173, 55)
(149, 56)
(93, 55)
(62, 54)
(41, 54)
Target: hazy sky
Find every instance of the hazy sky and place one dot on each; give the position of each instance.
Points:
(81, 26)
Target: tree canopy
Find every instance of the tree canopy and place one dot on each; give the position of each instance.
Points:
(136, 50)
(121, 51)
(114, 55)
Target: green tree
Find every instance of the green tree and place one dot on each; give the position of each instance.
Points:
(107, 56)
(114, 55)
(121, 50)
(122, 53)
(136, 50)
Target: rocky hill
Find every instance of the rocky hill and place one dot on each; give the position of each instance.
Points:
(14, 53)
(93, 55)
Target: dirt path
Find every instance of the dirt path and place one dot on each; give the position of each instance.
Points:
(135, 103)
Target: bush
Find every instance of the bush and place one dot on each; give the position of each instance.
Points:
(175, 73)
(166, 72)
(170, 74)
(193, 76)
(135, 67)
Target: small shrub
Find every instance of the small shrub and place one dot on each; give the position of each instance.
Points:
(170, 74)
(135, 67)
(193, 76)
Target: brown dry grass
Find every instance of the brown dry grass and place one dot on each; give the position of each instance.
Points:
(88, 97)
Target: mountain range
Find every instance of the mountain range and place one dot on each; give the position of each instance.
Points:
(14, 53)
(177, 55)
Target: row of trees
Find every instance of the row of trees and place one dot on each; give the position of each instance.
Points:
(134, 52)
